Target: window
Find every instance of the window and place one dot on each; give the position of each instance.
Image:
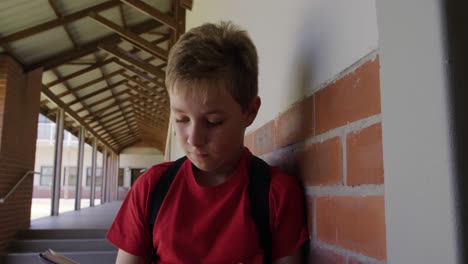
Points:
(71, 173)
(98, 176)
(47, 174)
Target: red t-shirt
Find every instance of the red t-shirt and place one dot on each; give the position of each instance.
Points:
(212, 224)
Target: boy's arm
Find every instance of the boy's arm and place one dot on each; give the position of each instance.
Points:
(295, 258)
(127, 258)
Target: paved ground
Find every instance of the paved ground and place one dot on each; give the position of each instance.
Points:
(41, 207)
(98, 217)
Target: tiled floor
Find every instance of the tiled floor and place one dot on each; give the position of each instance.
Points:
(98, 217)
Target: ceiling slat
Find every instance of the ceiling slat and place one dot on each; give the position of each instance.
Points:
(152, 12)
(56, 22)
(87, 84)
(133, 59)
(80, 72)
(80, 120)
(87, 49)
(131, 37)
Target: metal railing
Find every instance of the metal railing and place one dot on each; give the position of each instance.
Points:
(3, 200)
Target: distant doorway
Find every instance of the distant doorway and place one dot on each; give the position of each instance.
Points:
(136, 173)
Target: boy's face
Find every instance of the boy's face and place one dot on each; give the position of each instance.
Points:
(211, 128)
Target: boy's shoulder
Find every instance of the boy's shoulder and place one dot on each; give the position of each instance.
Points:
(152, 175)
(282, 183)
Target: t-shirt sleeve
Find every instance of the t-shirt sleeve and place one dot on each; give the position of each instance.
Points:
(130, 229)
(288, 219)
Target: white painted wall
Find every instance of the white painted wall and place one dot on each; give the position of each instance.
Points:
(301, 43)
(419, 196)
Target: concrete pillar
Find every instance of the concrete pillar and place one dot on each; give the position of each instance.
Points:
(116, 175)
(104, 176)
(79, 168)
(92, 194)
(19, 101)
(57, 162)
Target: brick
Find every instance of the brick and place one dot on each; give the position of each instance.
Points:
(325, 256)
(364, 156)
(264, 138)
(351, 98)
(353, 223)
(248, 140)
(296, 124)
(322, 163)
(19, 100)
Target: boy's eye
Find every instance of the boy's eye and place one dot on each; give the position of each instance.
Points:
(215, 122)
(181, 120)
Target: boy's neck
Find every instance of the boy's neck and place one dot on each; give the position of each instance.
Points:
(216, 177)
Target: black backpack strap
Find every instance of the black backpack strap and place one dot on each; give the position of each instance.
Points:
(159, 193)
(259, 192)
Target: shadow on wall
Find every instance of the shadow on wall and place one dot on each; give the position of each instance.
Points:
(331, 140)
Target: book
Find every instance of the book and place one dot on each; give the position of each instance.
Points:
(56, 257)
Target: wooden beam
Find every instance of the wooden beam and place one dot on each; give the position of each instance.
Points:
(100, 111)
(113, 96)
(141, 84)
(180, 20)
(116, 96)
(140, 74)
(57, 22)
(65, 26)
(80, 72)
(187, 4)
(126, 142)
(120, 132)
(150, 114)
(143, 93)
(105, 89)
(93, 118)
(131, 37)
(66, 84)
(122, 17)
(111, 123)
(87, 84)
(84, 50)
(152, 12)
(147, 120)
(129, 144)
(133, 59)
(72, 114)
(116, 134)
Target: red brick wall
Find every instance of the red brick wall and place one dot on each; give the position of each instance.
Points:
(332, 140)
(19, 109)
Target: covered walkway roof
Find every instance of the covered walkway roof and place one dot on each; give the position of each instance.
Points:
(103, 62)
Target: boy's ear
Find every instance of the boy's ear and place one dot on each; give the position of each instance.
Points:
(252, 110)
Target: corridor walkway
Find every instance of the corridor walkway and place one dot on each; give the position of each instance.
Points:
(99, 217)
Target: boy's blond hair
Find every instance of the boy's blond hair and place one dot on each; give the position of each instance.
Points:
(220, 55)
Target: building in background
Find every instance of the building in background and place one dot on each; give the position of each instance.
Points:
(133, 161)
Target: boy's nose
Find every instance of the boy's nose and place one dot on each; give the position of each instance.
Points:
(196, 137)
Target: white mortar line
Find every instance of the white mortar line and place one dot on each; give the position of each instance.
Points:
(345, 252)
(339, 190)
(350, 127)
(371, 56)
(344, 155)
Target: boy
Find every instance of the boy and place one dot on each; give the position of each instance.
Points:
(212, 84)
